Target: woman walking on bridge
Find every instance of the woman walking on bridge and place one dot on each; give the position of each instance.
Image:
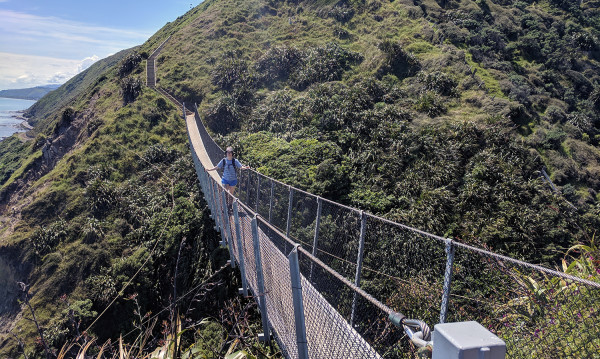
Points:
(229, 165)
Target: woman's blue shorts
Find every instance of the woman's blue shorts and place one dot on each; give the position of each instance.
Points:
(231, 183)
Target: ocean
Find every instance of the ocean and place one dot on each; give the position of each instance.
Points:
(9, 124)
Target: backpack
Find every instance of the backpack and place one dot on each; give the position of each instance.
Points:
(224, 160)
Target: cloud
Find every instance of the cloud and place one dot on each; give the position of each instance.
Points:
(20, 71)
(46, 35)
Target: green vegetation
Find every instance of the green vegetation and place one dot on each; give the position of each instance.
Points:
(437, 114)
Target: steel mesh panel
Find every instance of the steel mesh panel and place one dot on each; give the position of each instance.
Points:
(302, 226)
(248, 247)
(279, 209)
(339, 232)
(404, 267)
(278, 294)
(537, 314)
(242, 187)
(249, 197)
(264, 196)
(326, 299)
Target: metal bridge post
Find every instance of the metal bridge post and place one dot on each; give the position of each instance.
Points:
(202, 179)
(217, 207)
(316, 239)
(238, 236)
(209, 188)
(208, 194)
(265, 337)
(447, 280)
(359, 261)
(271, 201)
(248, 189)
(289, 214)
(227, 233)
(257, 190)
(298, 304)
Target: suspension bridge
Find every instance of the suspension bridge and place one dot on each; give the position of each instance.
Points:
(331, 281)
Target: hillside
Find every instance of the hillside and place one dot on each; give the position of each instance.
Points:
(32, 93)
(76, 86)
(437, 114)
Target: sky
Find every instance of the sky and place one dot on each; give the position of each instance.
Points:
(48, 42)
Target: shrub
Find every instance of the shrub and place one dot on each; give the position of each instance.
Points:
(159, 154)
(271, 114)
(555, 114)
(553, 138)
(439, 82)
(277, 63)
(130, 89)
(65, 120)
(129, 63)
(431, 104)
(224, 116)
(232, 73)
(322, 64)
(341, 12)
(46, 238)
(397, 61)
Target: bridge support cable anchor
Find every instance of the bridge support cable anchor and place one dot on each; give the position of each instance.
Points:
(296, 280)
(418, 331)
(241, 261)
(227, 233)
(447, 280)
(359, 262)
(260, 282)
(316, 238)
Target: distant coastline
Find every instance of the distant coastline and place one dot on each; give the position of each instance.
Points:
(32, 93)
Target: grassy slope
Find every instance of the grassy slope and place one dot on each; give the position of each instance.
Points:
(387, 160)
